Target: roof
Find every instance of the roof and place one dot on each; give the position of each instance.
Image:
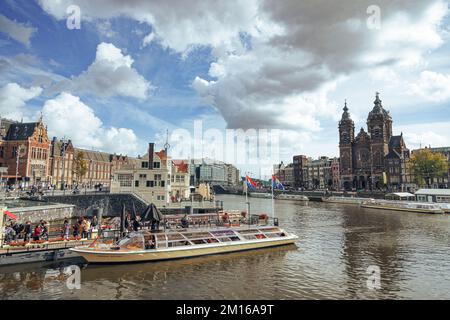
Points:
(393, 155)
(21, 131)
(395, 142)
(401, 194)
(94, 155)
(438, 192)
(182, 166)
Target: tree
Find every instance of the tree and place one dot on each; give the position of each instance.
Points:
(426, 165)
(79, 165)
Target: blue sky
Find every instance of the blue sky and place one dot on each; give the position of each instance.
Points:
(256, 64)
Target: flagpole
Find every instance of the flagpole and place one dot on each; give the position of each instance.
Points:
(273, 201)
(246, 198)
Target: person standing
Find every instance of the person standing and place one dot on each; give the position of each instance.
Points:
(37, 233)
(28, 231)
(87, 228)
(65, 230)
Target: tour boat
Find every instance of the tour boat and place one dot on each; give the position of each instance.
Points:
(260, 195)
(154, 246)
(296, 197)
(344, 200)
(420, 207)
(444, 206)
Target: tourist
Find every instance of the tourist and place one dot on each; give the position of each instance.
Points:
(76, 229)
(87, 228)
(185, 221)
(10, 234)
(65, 230)
(94, 223)
(37, 233)
(28, 230)
(45, 230)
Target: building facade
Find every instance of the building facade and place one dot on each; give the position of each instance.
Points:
(299, 163)
(148, 177)
(364, 157)
(180, 181)
(25, 152)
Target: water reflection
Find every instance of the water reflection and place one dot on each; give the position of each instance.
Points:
(336, 246)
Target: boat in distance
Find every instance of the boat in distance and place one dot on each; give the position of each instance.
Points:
(409, 206)
(295, 197)
(145, 246)
(345, 200)
(260, 195)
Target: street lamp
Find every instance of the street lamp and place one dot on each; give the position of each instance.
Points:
(63, 155)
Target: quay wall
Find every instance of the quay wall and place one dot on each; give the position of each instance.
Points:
(85, 204)
(44, 212)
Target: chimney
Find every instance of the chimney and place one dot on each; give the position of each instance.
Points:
(151, 148)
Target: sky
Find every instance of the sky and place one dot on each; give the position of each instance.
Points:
(132, 70)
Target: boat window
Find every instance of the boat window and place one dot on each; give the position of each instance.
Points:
(235, 238)
(134, 241)
(179, 243)
(161, 241)
(249, 231)
(250, 237)
(174, 236)
(219, 233)
(224, 239)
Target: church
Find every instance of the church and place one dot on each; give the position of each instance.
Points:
(373, 159)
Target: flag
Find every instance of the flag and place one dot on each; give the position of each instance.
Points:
(250, 183)
(276, 184)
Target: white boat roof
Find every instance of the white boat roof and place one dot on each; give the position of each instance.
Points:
(438, 192)
(401, 194)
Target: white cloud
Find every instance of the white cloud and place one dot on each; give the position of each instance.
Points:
(433, 134)
(178, 24)
(432, 86)
(112, 74)
(66, 115)
(13, 98)
(18, 31)
(148, 39)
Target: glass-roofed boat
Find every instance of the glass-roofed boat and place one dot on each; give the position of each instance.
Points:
(148, 245)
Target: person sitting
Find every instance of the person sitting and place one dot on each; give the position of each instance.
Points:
(185, 222)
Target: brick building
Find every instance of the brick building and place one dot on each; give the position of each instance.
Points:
(375, 158)
(25, 151)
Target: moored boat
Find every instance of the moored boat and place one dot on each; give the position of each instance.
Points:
(296, 197)
(154, 246)
(344, 200)
(419, 207)
(260, 195)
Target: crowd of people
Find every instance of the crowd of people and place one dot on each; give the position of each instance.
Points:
(26, 232)
(19, 232)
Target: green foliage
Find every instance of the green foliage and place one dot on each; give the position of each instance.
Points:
(79, 165)
(426, 165)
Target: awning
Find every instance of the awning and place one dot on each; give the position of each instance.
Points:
(9, 214)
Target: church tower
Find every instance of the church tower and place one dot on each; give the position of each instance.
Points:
(346, 138)
(379, 125)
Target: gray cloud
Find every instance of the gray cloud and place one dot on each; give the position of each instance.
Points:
(18, 31)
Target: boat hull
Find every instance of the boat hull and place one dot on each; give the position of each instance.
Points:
(177, 253)
(402, 209)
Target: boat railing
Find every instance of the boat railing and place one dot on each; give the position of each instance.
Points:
(8, 250)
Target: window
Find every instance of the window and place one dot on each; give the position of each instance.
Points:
(157, 177)
(136, 183)
(150, 184)
(156, 165)
(144, 164)
(162, 184)
(125, 180)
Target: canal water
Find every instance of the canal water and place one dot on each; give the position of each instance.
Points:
(337, 246)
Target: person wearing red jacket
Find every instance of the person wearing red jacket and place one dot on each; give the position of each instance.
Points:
(37, 233)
